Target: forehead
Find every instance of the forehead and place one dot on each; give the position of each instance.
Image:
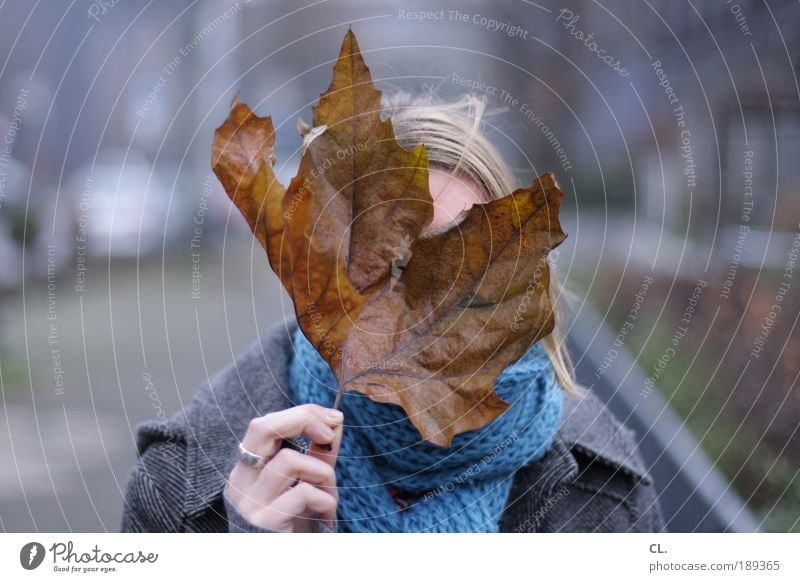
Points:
(446, 184)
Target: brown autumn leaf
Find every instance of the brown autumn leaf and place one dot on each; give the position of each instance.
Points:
(424, 322)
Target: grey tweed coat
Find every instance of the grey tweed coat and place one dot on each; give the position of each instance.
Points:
(592, 479)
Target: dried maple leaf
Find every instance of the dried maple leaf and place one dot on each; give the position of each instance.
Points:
(424, 322)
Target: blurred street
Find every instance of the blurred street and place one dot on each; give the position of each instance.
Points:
(126, 349)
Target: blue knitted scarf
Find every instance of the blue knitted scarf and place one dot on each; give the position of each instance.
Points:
(463, 488)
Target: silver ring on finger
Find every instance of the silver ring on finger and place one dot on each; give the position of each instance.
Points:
(250, 459)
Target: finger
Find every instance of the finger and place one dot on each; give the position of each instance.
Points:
(241, 480)
(301, 501)
(285, 468)
(328, 452)
(265, 433)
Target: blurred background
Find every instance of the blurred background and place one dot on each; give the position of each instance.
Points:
(127, 278)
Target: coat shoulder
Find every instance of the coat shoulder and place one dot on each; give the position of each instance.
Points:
(592, 479)
(155, 490)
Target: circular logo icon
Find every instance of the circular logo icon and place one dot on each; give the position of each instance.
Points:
(31, 555)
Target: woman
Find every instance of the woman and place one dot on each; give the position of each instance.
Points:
(556, 460)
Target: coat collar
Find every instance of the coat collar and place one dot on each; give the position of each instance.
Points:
(256, 383)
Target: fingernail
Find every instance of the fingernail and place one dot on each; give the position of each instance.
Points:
(335, 415)
(327, 431)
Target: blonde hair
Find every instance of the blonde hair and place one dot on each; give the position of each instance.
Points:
(454, 139)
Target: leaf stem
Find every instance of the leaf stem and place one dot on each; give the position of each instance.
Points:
(338, 399)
